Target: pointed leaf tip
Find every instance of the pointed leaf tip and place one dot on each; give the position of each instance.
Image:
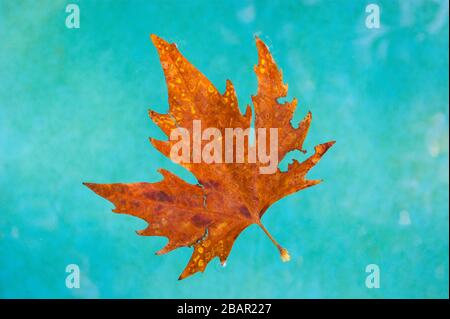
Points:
(89, 185)
(323, 148)
(154, 38)
(158, 42)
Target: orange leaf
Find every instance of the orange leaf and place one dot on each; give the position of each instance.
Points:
(230, 196)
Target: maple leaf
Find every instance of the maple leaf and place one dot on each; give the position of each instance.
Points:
(229, 197)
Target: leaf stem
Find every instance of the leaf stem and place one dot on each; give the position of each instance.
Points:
(284, 254)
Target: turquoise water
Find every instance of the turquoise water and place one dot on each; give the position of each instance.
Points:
(73, 108)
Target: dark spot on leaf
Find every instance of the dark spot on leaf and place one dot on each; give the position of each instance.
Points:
(244, 212)
(135, 203)
(210, 184)
(158, 196)
(200, 221)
